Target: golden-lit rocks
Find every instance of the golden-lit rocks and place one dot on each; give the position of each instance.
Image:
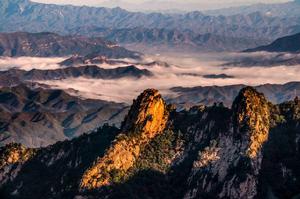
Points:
(147, 118)
(252, 119)
(14, 153)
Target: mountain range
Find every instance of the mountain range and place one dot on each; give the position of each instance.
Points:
(36, 116)
(141, 38)
(285, 44)
(247, 151)
(285, 9)
(208, 95)
(37, 17)
(16, 76)
(53, 45)
(203, 142)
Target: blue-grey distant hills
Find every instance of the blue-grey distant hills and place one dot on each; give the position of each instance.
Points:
(285, 44)
(50, 44)
(288, 9)
(136, 27)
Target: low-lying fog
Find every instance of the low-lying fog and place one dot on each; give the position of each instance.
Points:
(28, 63)
(184, 70)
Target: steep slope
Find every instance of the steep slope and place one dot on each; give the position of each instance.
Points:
(284, 44)
(51, 45)
(146, 119)
(38, 117)
(53, 172)
(230, 162)
(249, 151)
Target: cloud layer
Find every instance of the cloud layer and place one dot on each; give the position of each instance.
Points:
(185, 71)
(28, 63)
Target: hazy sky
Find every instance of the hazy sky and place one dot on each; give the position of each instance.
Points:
(163, 4)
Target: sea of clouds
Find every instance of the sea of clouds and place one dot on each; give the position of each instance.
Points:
(184, 70)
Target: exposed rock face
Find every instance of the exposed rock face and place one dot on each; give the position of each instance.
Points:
(14, 153)
(248, 152)
(251, 114)
(11, 157)
(53, 171)
(239, 149)
(148, 115)
(146, 119)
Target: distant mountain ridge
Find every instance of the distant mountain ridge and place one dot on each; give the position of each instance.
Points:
(285, 44)
(39, 117)
(284, 9)
(16, 76)
(171, 38)
(31, 17)
(208, 95)
(48, 44)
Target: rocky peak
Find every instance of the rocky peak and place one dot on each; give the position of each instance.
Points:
(147, 118)
(147, 114)
(251, 119)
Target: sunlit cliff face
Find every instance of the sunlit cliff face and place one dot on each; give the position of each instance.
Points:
(146, 119)
(252, 120)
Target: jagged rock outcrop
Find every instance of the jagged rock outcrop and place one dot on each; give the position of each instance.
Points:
(14, 153)
(251, 114)
(237, 148)
(250, 151)
(13, 156)
(147, 118)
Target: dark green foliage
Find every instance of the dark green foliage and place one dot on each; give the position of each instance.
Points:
(61, 179)
(158, 154)
(281, 162)
(149, 176)
(144, 184)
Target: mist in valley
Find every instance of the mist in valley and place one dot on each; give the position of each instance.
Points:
(181, 70)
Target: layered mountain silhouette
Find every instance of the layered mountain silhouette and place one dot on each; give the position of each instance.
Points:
(285, 9)
(90, 21)
(35, 115)
(247, 151)
(16, 76)
(53, 45)
(166, 38)
(263, 59)
(284, 44)
(208, 95)
(39, 117)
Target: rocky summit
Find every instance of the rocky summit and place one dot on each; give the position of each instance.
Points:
(248, 151)
(146, 119)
